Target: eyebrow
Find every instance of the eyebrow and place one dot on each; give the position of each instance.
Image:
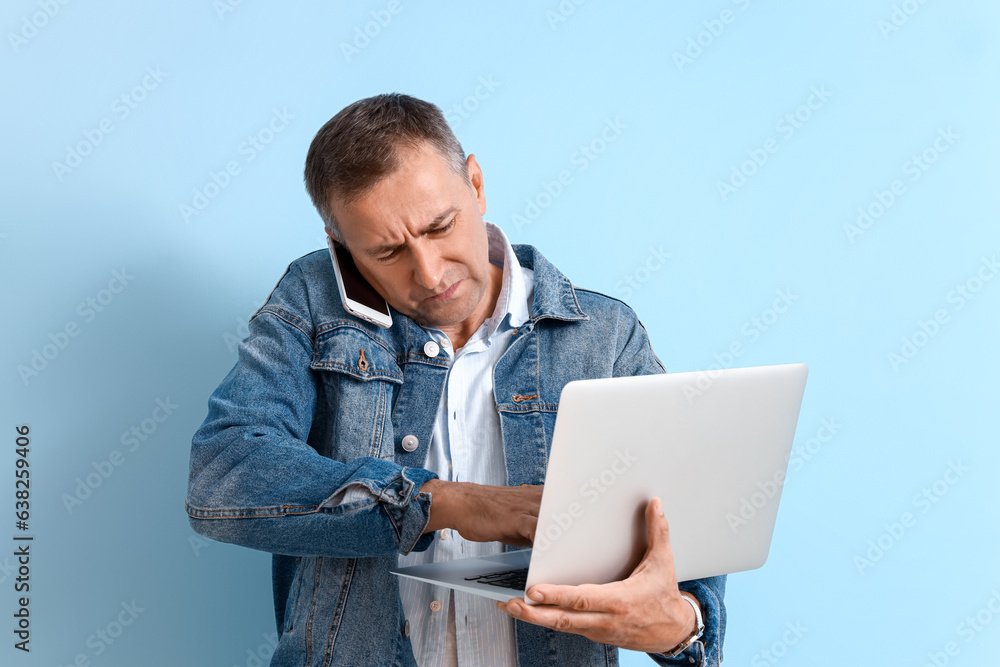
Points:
(435, 224)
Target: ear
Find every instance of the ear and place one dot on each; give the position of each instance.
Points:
(333, 238)
(476, 181)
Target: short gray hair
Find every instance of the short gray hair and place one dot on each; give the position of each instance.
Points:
(359, 146)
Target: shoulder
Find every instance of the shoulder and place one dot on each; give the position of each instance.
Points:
(314, 263)
(306, 294)
(599, 303)
(634, 354)
(558, 294)
(609, 319)
(304, 277)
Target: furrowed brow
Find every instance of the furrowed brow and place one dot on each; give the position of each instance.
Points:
(434, 224)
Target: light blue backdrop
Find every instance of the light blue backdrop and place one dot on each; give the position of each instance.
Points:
(837, 157)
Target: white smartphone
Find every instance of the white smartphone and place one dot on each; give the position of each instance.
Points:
(359, 298)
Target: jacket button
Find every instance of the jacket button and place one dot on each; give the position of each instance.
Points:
(431, 348)
(435, 606)
(406, 628)
(410, 442)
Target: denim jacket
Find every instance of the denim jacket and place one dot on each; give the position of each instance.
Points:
(319, 401)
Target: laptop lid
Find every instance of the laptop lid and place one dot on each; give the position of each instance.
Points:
(710, 444)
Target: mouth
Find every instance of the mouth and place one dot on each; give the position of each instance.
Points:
(447, 294)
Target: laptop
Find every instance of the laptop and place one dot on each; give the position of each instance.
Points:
(713, 445)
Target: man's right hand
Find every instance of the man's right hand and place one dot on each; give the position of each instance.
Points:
(482, 513)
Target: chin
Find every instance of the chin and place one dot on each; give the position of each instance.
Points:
(444, 316)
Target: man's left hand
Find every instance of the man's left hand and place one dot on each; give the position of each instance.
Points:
(644, 612)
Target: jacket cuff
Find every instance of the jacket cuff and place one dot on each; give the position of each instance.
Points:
(706, 651)
(409, 509)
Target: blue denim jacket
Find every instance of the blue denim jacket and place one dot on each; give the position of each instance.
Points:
(320, 400)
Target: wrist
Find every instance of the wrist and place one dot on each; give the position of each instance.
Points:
(693, 627)
(439, 515)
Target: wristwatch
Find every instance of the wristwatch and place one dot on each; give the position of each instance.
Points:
(699, 622)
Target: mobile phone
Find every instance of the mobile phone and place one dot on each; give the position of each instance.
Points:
(358, 296)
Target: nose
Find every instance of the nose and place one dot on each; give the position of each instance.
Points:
(426, 266)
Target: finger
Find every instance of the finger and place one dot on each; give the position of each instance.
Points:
(657, 529)
(515, 540)
(659, 555)
(598, 598)
(657, 539)
(556, 618)
(527, 528)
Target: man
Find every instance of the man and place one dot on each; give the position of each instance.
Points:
(344, 448)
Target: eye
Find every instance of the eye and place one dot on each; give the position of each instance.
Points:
(386, 258)
(440, 230)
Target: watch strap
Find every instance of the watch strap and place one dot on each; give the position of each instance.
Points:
(699, 629)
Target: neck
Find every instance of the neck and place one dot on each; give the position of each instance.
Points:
(460, 332)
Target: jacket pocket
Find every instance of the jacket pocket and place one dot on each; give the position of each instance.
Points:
(356, 377)
(527, 421)
(292, 620)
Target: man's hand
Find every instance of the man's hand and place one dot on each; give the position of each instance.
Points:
(643, 613)
(482, 513)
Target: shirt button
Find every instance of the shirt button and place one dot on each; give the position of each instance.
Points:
(443, 533)
(431, 348)
(410, 442)
(446, 343)
(435, 606)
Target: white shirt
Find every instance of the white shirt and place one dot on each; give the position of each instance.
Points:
(467, 446)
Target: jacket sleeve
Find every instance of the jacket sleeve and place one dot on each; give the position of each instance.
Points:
(637, 358)
(255, 481)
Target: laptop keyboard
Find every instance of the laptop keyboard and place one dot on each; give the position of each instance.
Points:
(514, 579)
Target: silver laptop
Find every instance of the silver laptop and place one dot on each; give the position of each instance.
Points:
(713, 445)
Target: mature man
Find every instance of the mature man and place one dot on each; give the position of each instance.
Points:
(344, 448)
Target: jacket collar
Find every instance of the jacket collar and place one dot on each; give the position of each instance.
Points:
(554, 296)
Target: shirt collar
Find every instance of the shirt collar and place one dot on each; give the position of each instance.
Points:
(512, 301)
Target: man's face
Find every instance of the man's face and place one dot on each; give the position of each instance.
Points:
(418, 237)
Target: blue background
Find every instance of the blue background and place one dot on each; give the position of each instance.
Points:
(892, 77)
